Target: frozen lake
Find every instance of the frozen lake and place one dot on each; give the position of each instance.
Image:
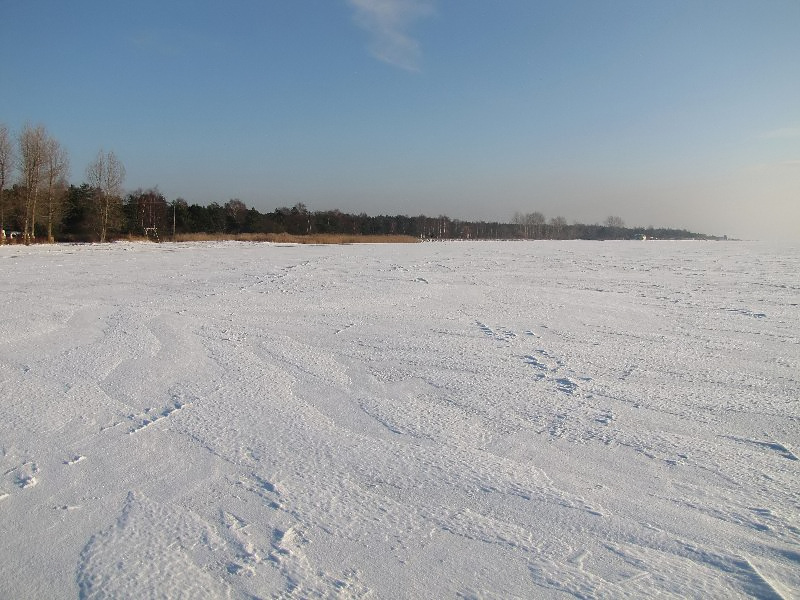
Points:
(438, 420)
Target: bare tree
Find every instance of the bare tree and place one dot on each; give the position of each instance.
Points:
(56, 166)
(535, 221)
(519, 219)
(32, 150)
(530, 223)
(615, 222)
(558, 224)
(106, 174)
(236, 211)
(6, 165)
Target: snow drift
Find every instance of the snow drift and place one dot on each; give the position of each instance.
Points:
(400, 421)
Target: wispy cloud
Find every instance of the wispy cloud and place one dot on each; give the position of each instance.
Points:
(386, 21)
(783, 132)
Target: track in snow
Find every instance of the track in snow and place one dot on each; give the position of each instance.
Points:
(435, 420)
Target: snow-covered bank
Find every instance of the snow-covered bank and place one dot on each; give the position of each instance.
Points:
(502, 420)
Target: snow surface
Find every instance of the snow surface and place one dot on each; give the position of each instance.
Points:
(477, 420)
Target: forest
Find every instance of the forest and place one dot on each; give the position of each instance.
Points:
(37, 204)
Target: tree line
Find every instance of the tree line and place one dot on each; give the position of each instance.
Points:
(38, 204)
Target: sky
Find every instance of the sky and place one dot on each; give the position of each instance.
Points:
(675, 113)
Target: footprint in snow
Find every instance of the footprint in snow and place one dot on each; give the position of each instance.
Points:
(566, 385)
(25, 476)
(606, 417)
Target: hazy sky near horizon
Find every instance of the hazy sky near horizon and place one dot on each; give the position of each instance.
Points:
(681, 113)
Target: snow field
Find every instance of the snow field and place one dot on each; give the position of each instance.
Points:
(481, 420)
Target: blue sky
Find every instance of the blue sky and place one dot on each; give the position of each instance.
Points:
(682, 113)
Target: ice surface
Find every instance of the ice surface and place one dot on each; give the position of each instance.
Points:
(477, 420)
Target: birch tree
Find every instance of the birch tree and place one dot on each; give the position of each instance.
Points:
(32, 150)
(530, 223)
(535, 221)
(557, 224)
(6, 166)
(106, 174)
(56, 166)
